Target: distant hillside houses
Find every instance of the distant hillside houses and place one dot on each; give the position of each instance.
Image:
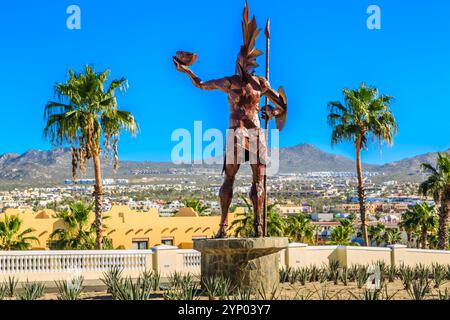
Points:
(91, 182)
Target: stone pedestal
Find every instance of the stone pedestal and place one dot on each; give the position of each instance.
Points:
(248, 263)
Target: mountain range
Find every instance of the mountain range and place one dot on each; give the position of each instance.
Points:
(36, 167)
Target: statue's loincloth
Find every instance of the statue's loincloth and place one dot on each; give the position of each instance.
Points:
(245, 145)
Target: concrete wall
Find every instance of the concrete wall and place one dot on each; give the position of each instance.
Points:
(301, 255)
(62, 265)
(411, 257)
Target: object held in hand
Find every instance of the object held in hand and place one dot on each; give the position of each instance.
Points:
(186, 58)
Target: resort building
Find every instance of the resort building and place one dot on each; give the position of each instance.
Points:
(130, 229)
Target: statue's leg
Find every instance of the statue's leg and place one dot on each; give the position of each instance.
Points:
(226, 195)
(257, 195)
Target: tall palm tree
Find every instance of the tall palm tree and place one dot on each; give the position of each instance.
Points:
(300, 229)
(85, 114)
(11, 237)
(438, 186)
(364, 114)
(424, 217)
(376, 233)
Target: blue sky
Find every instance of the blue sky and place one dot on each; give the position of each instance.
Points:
(318, 47)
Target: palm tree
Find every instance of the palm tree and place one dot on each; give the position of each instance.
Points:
(276, 225)
(300, 229)
(243, 224)
(85, 114)
(196, 205)
(363, 115)
(342, 234)
(410, 225)
(376, 234)
(424, 217)
(392, 236)
(438, 186)
(11, 238)
(79, 232)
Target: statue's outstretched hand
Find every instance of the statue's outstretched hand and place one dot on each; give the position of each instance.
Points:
(179, 66)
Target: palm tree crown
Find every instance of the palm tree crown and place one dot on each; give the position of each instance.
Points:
(364, 113)
(11, 237)
(437, 185)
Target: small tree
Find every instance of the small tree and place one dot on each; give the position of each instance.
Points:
(11, 236)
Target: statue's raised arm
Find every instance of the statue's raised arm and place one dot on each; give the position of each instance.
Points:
(182, 62)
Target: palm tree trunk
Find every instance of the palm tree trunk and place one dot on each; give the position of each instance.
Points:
(98, 195)
(443, 221)
(424, 237)
(74, 165)
(361, 195)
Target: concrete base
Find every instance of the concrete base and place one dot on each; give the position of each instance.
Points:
(248, 263)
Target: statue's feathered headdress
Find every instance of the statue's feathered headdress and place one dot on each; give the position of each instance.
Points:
(246, 62)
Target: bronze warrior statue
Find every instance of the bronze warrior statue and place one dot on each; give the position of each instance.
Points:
(244, 90)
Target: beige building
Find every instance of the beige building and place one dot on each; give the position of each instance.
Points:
(131, 229)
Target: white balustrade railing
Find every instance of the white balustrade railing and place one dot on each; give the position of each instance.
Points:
(12, 262)
(191, 258)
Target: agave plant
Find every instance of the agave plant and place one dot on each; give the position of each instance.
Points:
(361, 276)
(129, 290)
(245, 294)
(421, 272)
(325, 293)
(217, 287)
(419, 288)
(439, 274)
(444, 295)
(447, 272)
(3, 291)
(153, 279)
(407, 275)
(377, 294)
(211, 286)
(183, 287)
(323, 274)
(392, 273)
(314, 274)
(12, 286)
(293, 278)
(70, 289)
(352, 272)
(274, 294)
(285, 274)
(303, 274)
(344, 276)
(333, 271)
(112, 279)
(31, 291)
